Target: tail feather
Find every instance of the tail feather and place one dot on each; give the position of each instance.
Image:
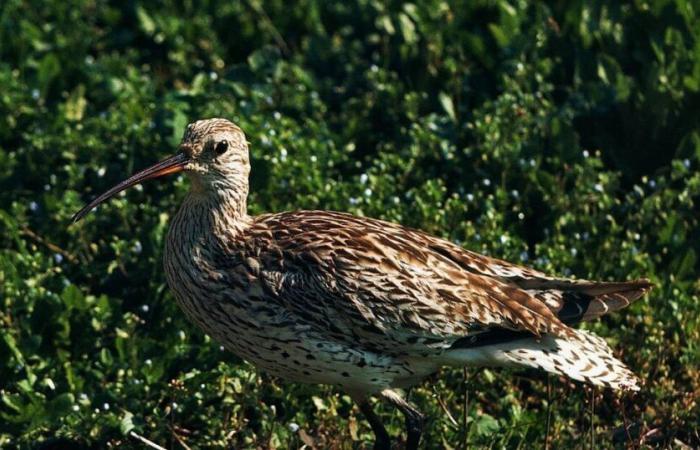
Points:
(578, 354)
(583, 357)
(574, 301)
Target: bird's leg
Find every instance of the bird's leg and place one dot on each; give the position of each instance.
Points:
(382, 442)
(414, 419)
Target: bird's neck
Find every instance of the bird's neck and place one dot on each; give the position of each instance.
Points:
(221, 206)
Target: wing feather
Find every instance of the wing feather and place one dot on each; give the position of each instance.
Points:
(380, 283)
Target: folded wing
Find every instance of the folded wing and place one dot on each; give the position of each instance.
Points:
(383, 285)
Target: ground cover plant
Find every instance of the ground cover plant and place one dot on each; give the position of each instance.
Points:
(561, 135)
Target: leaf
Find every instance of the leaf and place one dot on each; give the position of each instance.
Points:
(49, 68)
(73, 298)
(12, 401)
(318, 402)
(75, 105)
(448, 105)
(12, 345)
(686, 265)
(127, 423)
(499, 35)
(177, 123)
(408, 28)
(486, 425)
(106, 357)
(145, 21)
(386, 24)
(264, 59)
(61, 405)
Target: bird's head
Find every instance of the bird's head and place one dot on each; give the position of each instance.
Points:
(213, 152)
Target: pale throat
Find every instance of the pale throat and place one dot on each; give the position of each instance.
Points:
(221, 201)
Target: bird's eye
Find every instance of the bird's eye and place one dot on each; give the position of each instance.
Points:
(221, 147)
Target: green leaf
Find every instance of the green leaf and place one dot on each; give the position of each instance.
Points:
(73, 298)
(448, 105)
(76, 103)
(60, 405)
(486, 425)
(49, 68)
(408, 28)
(686, 265)
(12, 401)
(127, 423)
(145, 21)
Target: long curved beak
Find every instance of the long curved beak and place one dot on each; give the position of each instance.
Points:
(174, 164)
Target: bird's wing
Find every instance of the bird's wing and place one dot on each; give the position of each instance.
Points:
(570, 300)
(366, 278)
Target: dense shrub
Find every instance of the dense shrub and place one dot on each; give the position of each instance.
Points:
(564, 136)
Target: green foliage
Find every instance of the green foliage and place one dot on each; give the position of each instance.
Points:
(562, 136)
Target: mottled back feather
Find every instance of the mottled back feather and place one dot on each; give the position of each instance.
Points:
(384, 284)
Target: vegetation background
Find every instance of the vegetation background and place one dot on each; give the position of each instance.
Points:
(561, 135)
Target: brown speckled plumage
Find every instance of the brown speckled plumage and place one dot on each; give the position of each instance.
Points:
(371, 306)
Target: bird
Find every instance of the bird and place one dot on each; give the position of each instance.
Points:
(369, 306)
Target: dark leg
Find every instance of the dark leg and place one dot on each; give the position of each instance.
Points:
(414, 419)
(383, 442)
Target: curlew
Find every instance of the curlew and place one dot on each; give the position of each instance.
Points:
(370, 306)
